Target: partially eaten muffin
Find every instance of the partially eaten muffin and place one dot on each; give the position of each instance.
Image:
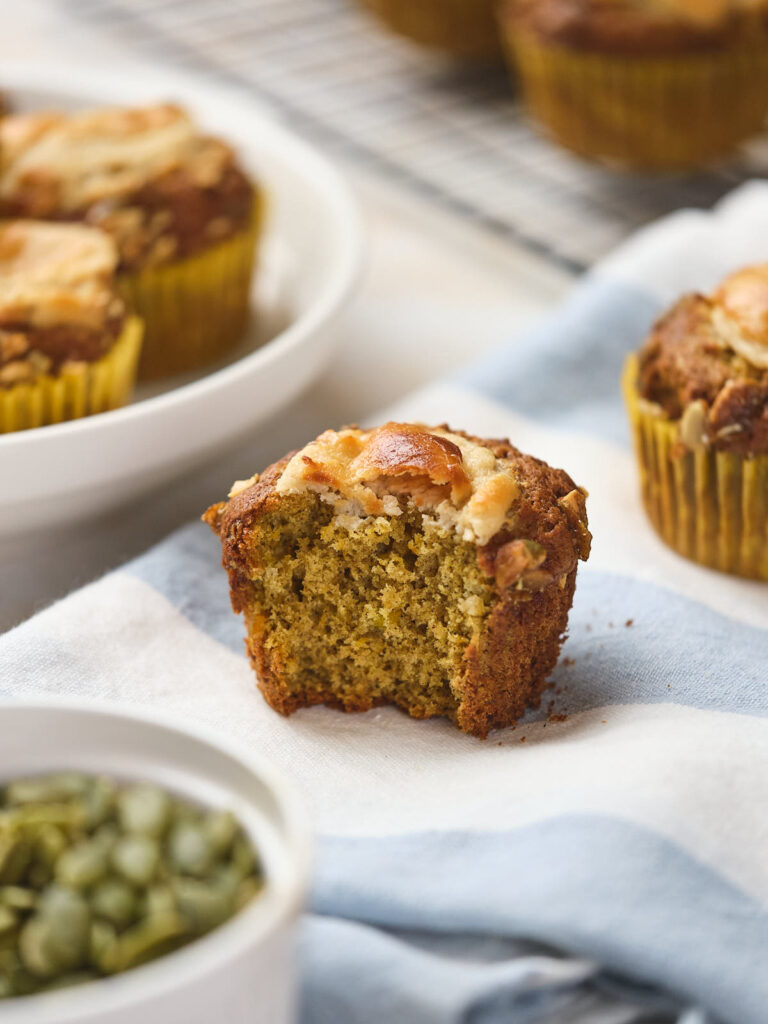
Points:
(405, 565)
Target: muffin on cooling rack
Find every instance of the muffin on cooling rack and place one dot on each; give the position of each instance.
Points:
(697, 395)
(406, 565)
(656, 84)
(68, 348)
(183, 213)
(462, 28)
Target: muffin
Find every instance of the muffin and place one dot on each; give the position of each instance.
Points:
(660, 84)
(462, 28)
(183, 214)
(68, 346)
(405, 565)
(697, 395)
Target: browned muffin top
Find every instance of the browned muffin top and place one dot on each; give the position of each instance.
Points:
(528, 520)
(146, 175)
(641, 26)
(706, 363)
(58, 303)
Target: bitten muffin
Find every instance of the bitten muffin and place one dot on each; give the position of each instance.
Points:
(68, 347)
(697, 395)
(182, 212)
(462, 28)
(656, 84)
(406, 565)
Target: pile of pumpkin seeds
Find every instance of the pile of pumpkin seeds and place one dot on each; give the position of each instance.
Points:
(97, 877)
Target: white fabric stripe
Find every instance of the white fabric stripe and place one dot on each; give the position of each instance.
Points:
(624, 541)
(383, 773)
(692, 250)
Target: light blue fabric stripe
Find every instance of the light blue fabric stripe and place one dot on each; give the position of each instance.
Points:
(566, 372)
(186, 569)
(597, 887)
(675, 650)
(432, 979)
(709, 662)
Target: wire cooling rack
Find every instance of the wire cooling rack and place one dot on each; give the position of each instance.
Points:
(458, 136)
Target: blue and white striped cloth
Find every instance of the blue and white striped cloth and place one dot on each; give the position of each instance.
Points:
(613, 867)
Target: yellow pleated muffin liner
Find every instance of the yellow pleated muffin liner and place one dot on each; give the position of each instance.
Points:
(196, 309)
(641, 111)
(463, 28)
(80, 390)
(710, 506)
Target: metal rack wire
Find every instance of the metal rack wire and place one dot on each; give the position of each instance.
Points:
(458, 136)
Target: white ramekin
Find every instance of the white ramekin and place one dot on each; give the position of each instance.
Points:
(244, 971)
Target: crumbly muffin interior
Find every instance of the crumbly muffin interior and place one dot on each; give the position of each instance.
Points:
(366, 610)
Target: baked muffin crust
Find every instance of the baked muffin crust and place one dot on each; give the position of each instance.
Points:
(58, 303)
(641, 26)
(146, 175)
(706, 364)
(410, 565)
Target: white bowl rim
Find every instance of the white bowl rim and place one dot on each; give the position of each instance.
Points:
(95, 79)
(262, 918)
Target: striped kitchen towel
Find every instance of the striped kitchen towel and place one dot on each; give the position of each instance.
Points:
(611, 868)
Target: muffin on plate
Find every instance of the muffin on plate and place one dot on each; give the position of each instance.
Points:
(68, 346)
(184, 215)
(697, 395)
(462, 28)
(656, 84)
(405, 565)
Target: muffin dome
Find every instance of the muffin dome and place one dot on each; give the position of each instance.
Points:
(706, 363)
(697, 396)
(406, 565)
(657, 84)
(68, 346)
(183, 214)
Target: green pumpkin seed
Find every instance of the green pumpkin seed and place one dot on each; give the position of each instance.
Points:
(99, 802)
(49, 842)
(158, 899)
(101, 944)
(136, 858)
(190, 850)
(203, 904)
(36, 949)
(221, 828)
(144, 809)
(17, 898)
(82, 865)
(248, 890)
(106, 836)
(151, 938)
(8, 920)
(114, 900)
(15, 855)
(243, 856)
(67, 916)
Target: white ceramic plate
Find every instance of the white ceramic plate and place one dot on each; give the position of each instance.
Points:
(310, 262)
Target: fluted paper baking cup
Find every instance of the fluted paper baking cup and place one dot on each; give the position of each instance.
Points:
(196, 309)
(464, 28)
(81, 389)
(710, 506)
(653, 112)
